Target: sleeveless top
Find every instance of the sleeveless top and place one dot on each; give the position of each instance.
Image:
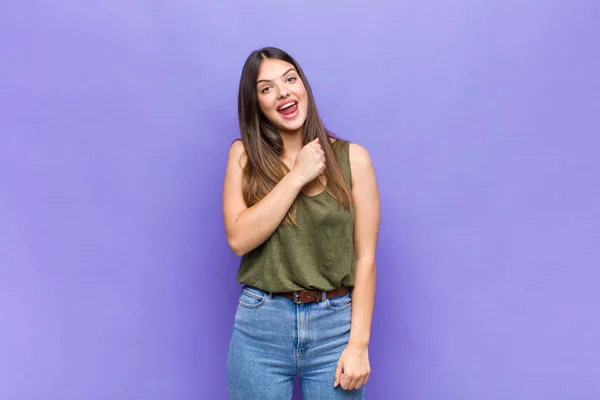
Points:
(318, 253)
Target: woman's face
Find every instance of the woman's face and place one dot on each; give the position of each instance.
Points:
(281, 95)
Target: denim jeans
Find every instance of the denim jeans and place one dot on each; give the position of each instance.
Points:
(275, 339)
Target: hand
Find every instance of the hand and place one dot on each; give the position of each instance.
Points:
(310, 162)
(353, 369)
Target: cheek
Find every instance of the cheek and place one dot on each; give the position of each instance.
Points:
(263, 104)
(305, 103)
(303, 97)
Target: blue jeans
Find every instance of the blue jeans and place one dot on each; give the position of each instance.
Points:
(275, 339)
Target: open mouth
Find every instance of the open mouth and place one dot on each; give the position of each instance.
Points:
(288, 110)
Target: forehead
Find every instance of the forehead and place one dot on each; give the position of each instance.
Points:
(272, 68)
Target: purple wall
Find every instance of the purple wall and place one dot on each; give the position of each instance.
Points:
(482, 119)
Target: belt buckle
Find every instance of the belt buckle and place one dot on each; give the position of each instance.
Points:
(297, 298)
(313, 295)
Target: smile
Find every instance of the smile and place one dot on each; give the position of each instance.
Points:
(287, 105)
(288, 110)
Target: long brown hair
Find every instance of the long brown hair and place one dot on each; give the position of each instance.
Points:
(264, 167)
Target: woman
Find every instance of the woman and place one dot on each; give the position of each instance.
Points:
(302, 209)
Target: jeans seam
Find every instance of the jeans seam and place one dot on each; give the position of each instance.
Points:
(252, 306)
(342, 308)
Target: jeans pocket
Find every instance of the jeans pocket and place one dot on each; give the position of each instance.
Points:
(252, 297)
(340, 303)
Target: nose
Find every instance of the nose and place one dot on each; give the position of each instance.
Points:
(282, 93)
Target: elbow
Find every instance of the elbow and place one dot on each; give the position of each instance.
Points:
(235, 247)
(238, 252)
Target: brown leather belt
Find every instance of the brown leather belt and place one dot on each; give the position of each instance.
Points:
(310, 296)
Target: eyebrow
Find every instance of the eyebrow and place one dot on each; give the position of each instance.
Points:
(284, 74)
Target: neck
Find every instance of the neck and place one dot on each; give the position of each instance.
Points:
(292, 142)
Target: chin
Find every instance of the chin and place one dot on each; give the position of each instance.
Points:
(290, 127)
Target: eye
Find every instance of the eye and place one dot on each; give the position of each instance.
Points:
(265, 89)
(291, 79)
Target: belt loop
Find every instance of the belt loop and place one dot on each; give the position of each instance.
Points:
(324, 295)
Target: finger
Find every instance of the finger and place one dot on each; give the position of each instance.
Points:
(337, 375)
(359, 383)
(344, 382)
(367, 378)
(351, 383)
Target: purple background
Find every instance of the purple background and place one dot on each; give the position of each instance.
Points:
(482, 119)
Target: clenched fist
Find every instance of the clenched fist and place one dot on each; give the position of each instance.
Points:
(310, 162)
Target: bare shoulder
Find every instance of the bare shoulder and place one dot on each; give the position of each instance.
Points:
(360, 159)
(237, 148)
(365, 193)
(237, 153)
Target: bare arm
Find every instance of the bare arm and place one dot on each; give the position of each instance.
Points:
(366, 227)
(353, 368)
(247, 228)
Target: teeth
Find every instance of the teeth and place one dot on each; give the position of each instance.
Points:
(287, 105)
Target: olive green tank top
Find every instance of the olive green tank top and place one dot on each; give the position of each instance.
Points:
(315, 254)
